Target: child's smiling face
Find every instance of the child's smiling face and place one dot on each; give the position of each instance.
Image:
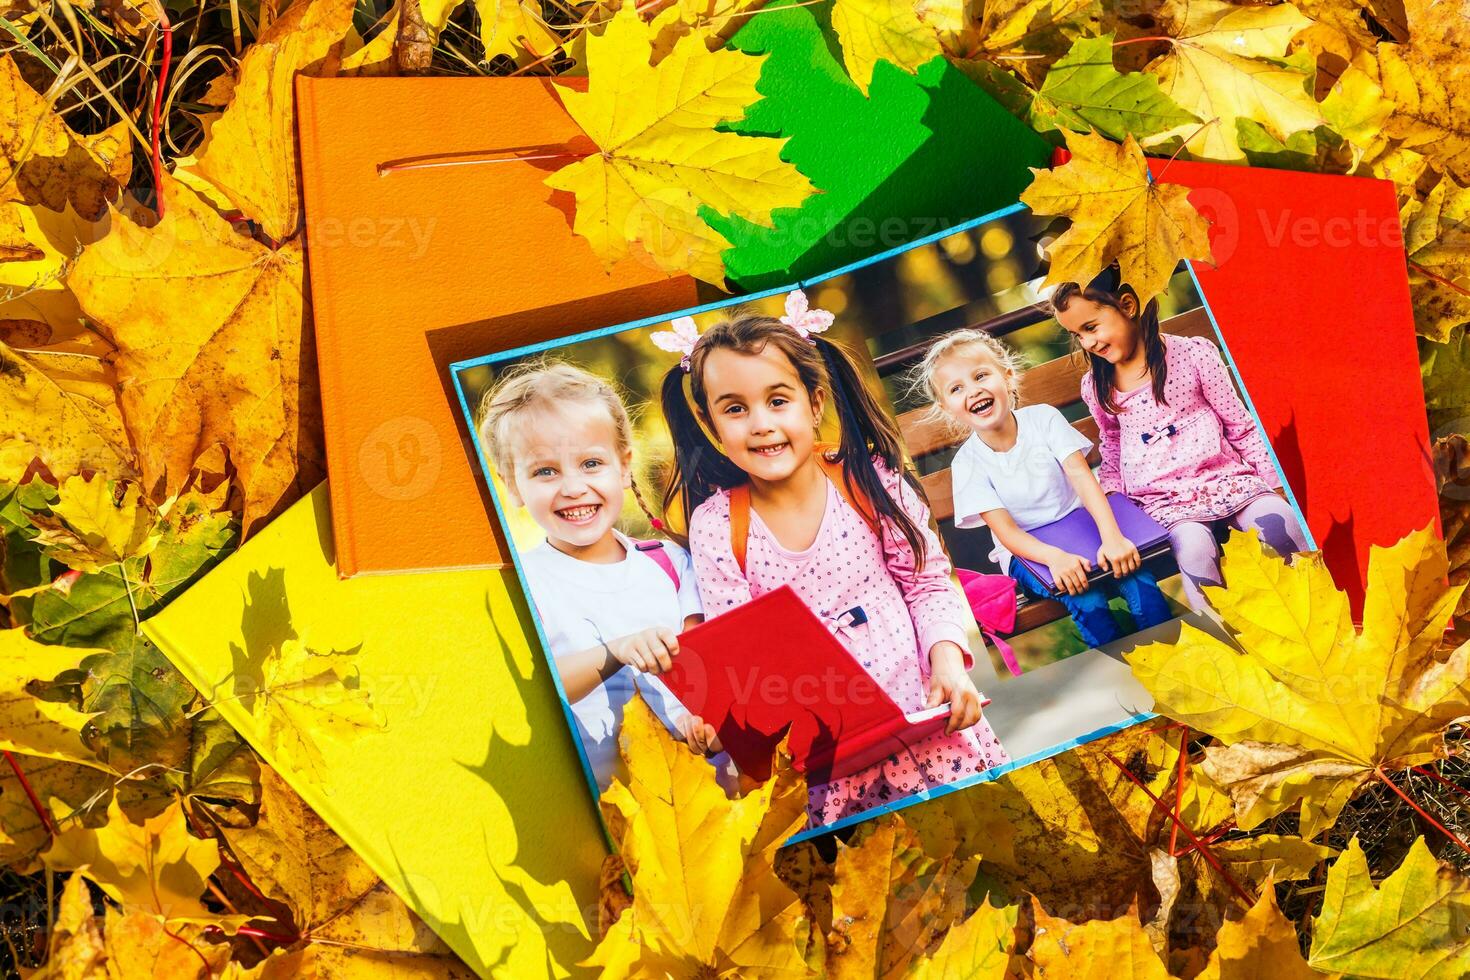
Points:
(569, 474)
(973, 387)
(761, 413)
(1102, 330)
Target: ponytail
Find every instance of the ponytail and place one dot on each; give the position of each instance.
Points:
(699, 469)
(867, 431)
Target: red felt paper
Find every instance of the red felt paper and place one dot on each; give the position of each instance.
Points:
(1310, 295)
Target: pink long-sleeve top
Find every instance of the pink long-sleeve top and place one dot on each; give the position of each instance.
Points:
(909, 609)
(1211, 464)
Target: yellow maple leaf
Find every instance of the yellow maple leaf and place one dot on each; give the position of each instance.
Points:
(74, 948)
(1083, 837)
(58, 404)
(706, 900)
(155, 867)
(979, 948)
(660, 159)
(1313, 708)
(1100, 949)
(516, 29)
(42, 161)
(1428, 81)
(1356, 110)
(1025, 36)
(1410, 924)
(141, 946)
(891, 900)
(1435, 236)
(14, 246)
(882, 30)
(69, 793)
(1263, 943)
(250, 154)
(211, 335)
(33, 286)
(91, 527)
(509, 27)
(1226, 63)
(302, 696)
(1117, 213)
(292, 855)
(32, 726)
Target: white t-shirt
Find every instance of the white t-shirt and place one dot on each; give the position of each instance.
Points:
(581, 603)
(1028, 480)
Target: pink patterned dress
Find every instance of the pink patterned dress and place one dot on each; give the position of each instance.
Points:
(909, 610)
(1200, 457)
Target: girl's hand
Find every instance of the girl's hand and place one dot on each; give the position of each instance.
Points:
(1119, 556)
(651, 650)
(948, 681)
(699, 736)
(1069, 572)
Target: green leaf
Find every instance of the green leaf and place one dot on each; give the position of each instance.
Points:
(1299, 152)
(1412, 924)
(139, 698)
(96, 612)
(221, 765)
(1084, 91)
(1446, 372)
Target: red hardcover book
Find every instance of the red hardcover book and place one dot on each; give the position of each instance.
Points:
(753, 670)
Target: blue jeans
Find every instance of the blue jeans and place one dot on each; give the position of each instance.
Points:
(1090, 609)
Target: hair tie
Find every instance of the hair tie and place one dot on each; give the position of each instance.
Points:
(685, 336)
(803, 320)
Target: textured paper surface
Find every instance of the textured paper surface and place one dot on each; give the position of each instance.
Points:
(470, 802)
(417, 268)
(1312, 299)
(919, 154)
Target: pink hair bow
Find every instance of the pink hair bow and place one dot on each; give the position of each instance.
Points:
(801, 318)
(680, 340)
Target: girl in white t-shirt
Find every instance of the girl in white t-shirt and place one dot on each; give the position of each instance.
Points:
(1025, 467)
(611, 607)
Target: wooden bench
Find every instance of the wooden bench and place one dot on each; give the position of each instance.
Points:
(1057, 382)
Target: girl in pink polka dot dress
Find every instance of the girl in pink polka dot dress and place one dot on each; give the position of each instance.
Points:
(760, 385)
(1175, 436)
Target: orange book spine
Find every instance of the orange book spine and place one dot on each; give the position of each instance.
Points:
(319, 274)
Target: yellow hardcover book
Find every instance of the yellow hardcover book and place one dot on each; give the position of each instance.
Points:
(460, 784)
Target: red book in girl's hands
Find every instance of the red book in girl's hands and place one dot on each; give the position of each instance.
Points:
(771, 663)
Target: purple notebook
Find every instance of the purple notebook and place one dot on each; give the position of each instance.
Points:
(1077, 533)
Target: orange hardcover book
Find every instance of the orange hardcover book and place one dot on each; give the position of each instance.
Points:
(418, 267)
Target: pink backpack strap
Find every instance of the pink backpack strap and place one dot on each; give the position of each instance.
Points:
(655, 550)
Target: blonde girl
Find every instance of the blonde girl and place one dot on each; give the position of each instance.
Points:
(611, 607)
(1175, 435)
(760, 385)
(1023, 467)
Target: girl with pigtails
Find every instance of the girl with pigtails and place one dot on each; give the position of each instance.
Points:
(847, 528)
(611, 606)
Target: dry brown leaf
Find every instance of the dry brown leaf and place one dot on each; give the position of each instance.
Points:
(213, 346)
(251, 151)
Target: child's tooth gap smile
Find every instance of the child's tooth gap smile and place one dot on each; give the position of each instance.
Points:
(581, 512)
